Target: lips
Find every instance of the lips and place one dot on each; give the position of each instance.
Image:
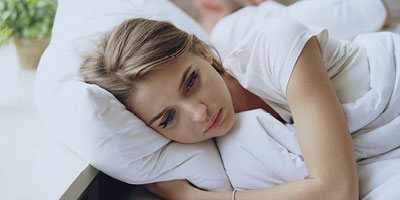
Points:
(216, 122)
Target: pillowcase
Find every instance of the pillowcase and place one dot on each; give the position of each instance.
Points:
(93, 123)
(270, 150)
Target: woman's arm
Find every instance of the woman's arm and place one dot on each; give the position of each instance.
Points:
(323, 136)
(321, 126)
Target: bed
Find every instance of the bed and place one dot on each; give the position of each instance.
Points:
(60, 93)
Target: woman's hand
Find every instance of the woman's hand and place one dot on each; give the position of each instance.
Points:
(176, 189)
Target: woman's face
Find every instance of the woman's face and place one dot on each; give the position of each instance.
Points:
(186, 101)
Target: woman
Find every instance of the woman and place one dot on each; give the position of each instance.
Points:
(174, 83)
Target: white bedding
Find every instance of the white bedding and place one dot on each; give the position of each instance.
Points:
(344, 19)
(272, 157)
(271, 151)
(89, 137)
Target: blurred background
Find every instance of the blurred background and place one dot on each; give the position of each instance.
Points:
(25, 31)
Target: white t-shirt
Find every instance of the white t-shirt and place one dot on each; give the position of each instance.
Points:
(344, 19)
(263, 62)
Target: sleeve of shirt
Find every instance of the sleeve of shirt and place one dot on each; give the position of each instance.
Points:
(279, 43)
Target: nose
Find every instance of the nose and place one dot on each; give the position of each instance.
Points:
(197, 111)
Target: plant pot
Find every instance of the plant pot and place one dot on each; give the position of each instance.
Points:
(30, 50)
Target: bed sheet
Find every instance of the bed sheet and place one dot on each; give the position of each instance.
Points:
(379, 177)
(271, 149)
(273, 157)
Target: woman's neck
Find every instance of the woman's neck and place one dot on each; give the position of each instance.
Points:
(244, 100)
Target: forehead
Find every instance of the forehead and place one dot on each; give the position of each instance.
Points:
(156, 90)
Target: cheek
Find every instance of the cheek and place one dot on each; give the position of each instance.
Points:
(185, 132)
(215, 84)
(188, 129)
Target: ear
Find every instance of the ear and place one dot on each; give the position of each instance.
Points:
(209, 4)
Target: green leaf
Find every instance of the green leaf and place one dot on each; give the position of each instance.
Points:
(26, 18)
(5, 32)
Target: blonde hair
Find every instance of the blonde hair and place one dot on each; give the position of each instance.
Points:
(134, 49)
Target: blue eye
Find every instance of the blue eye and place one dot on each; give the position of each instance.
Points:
(170, 117)
(192, 80)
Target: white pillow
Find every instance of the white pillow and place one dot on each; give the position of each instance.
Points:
(261, 152)
(93, 123)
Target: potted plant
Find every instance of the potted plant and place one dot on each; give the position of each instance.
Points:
(28, 23)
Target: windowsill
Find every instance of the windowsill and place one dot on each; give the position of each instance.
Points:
(34, 164)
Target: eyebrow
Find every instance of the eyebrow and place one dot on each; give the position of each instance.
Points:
(184, 76)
